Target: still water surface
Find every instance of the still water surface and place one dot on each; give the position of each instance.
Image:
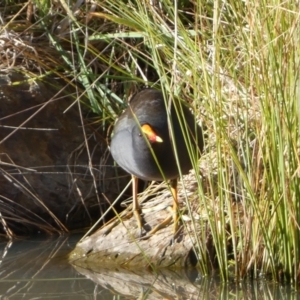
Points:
(38, 269)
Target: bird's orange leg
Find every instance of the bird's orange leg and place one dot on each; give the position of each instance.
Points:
(175, 204)
(135, 204)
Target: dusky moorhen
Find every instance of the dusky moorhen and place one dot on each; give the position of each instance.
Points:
(142, 144)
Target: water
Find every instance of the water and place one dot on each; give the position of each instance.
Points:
(38, 269)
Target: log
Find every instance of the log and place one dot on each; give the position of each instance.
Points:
(118, 243)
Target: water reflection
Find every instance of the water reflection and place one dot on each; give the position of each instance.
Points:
(38, 268)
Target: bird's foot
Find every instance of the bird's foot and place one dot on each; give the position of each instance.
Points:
(165, 222)
(138, 216)
(161, 225)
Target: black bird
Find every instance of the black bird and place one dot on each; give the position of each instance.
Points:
(144, 146)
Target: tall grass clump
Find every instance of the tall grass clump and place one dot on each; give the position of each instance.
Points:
(237, 65)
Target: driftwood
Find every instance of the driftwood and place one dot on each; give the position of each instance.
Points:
(119, 243)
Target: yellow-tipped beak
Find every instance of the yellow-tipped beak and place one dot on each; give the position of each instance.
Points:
(151, 135)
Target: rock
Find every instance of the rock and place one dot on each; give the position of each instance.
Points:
(46, 183)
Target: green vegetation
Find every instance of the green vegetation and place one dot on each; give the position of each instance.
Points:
(237, 64)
